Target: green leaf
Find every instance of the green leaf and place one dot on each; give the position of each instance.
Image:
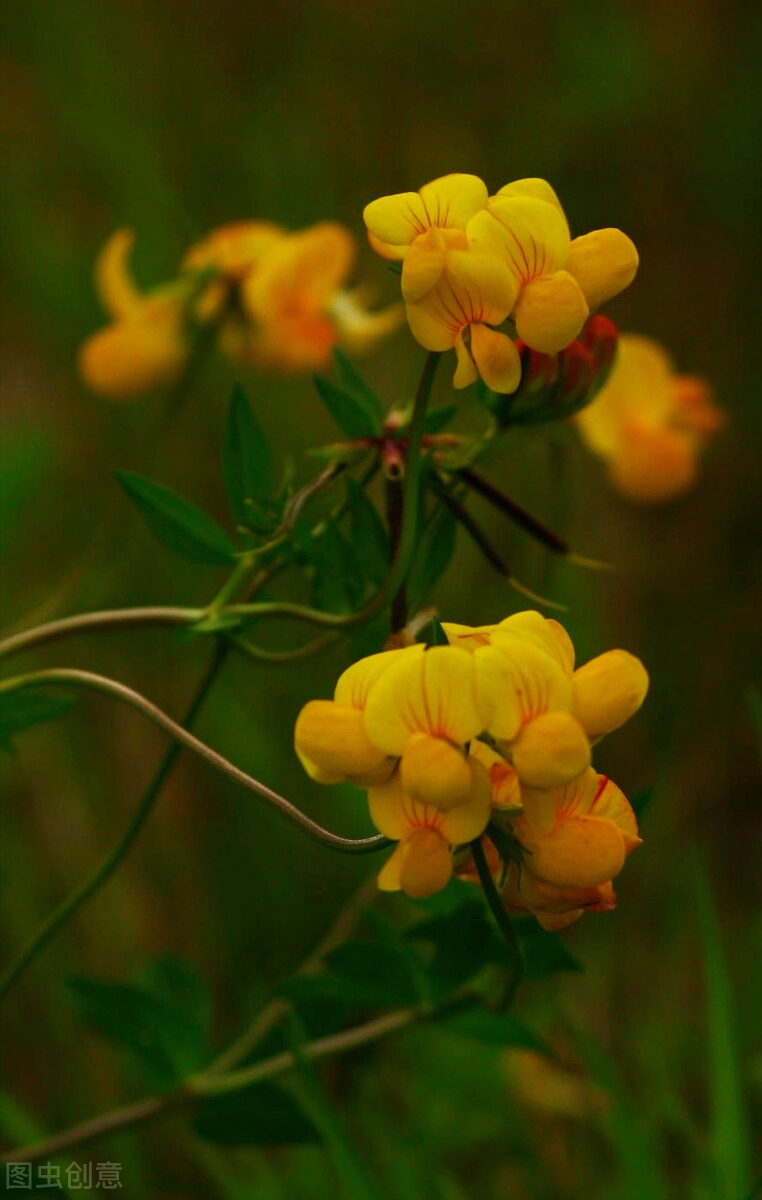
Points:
(433, 634)
(544, 953)
(24, 707)
(164, 1037)
(355, 385)
(337, 585)
(350, 413)
(435, 549)
(375, 966)
(436, 420)
(176, 522)
(245, 459)
(180, 984)
(262, 1114)
(494, 1029)
(464, 943)
(370, 540)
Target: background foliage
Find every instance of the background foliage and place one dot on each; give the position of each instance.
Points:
(175, 117)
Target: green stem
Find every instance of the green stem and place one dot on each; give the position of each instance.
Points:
(202, 1085)
(504, 922)
(109, 864)
(403, 557)
(110, 687)
(93, 622)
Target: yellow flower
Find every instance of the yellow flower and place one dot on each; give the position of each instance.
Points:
(542, 712)
(578, 835)
(330, 738)
(422, 862)
(146, 345)
(423, 709)
(648, 423)
(472, 292)
(298, 304)
(278, 298)
(396, 223)
(558, 280)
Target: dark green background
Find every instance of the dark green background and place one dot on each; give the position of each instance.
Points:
(173, 117)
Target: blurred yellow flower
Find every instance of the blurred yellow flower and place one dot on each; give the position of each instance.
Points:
(422, 862)
(275, 299)
(648, 423)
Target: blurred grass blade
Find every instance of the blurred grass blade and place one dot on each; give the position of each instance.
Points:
(729, 1136)
(351, 1170)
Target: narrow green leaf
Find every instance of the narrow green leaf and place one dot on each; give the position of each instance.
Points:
(176, 522)
(24, 707)
(729, 1136)
(260, 1115)
(349, 413)
(370, 540)
(165, 1038)
(436, 548)
(245, 457)
(356, 385)
(494, 1029)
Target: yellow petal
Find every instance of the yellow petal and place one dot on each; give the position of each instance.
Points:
(452, 200)
(234, 249)
(469, 819)
(653, 464)
(538, 189)
(550, 312)
(431, 327)
(543, 807)
(581, 852)
(423, 693)
(604, 263)
(353, 685)
(300, 273)
(465, 372)
(506, 790)
(131, 357)
(113, 282)
(388, 811)
(360, 331)
(516, 682)
(425, 260)
(389, 875)
(434, 771)
(447, 202)
(496, 358)
(467, 636)
(544, 632)
(612, 804)
(607, 691)
(551, 750)
(531, 236)
(426, 864)
(332, 738)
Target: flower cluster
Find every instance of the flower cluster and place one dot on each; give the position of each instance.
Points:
(648, 423)
(494, 727)
(470, 261)
(272, 298)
